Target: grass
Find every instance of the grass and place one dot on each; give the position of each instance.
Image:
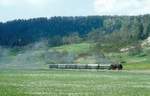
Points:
(135, 62)
(74, 83)
(35, 82)
(82, 54)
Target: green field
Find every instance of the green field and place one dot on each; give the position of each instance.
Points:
(74, 83)
(82, 54)
(135, 62)
(35, 79)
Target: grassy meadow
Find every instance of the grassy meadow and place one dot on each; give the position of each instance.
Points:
(130, 62)
(74, 83)
(27, 74)
(39, 58)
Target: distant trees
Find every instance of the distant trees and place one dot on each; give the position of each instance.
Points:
(146, 26)
(96, 35)
(71, 38)
(68, 30)
(55, 41)
(23, 32)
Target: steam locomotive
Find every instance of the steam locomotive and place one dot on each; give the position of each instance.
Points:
(87, 66)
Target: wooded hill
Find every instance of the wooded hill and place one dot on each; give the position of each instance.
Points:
(65, 30)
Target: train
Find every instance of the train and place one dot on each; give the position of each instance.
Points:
(87, 66)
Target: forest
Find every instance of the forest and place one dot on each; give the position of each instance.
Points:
(67, 30)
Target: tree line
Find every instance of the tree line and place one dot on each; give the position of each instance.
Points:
(66, 30)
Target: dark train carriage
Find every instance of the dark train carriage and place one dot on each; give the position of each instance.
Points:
(87, 66)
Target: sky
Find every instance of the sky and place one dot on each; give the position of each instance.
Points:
(25, 9)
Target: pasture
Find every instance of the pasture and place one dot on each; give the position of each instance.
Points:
(74, 83)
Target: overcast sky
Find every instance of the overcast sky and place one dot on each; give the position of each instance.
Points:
(15, 9)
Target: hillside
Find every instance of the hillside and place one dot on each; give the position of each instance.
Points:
(136, 61)
(35, 43)
(40, 55)
(57, 29)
